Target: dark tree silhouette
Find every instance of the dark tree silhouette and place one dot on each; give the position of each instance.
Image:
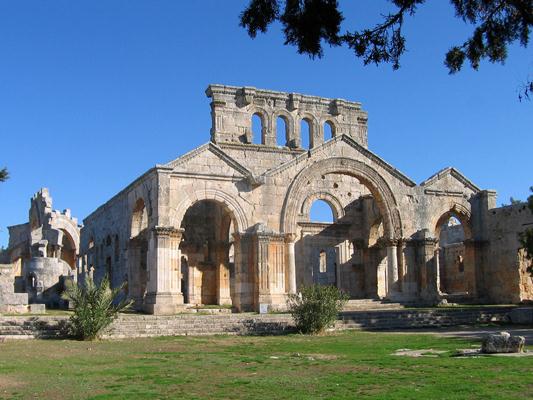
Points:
(3, 174)
(308, 24)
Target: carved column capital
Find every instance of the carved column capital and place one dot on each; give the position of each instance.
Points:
(168, 231)
(290, 237)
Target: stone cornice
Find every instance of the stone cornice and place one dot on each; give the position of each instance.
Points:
(215, 90)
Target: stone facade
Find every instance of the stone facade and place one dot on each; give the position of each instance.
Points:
(229, 222)
(42, 253)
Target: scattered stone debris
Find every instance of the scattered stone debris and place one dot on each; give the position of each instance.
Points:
(418, 353)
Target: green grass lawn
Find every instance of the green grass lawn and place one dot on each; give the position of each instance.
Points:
(347, 365)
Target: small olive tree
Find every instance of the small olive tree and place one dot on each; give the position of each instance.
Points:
(316, 307)
(95, 306)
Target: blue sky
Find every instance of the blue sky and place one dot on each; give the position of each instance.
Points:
(93, 93)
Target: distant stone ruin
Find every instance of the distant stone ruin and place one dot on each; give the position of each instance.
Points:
(41, 255)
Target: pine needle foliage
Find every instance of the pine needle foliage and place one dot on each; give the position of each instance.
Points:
(316, 307)
(95, 306)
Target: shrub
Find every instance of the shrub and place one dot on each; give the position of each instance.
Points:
(316, 307)
(95, 306)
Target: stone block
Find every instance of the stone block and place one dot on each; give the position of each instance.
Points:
(502, 342)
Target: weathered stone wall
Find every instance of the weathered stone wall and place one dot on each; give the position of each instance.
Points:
(506, 265)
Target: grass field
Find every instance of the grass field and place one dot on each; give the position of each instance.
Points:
(343, 365)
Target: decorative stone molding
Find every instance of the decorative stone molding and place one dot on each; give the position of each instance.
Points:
(169, 231)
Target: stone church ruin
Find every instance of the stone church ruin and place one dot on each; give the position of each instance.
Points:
(229, 223)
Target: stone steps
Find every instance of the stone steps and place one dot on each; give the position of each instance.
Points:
(370, 304)
(138, 325)
(422, 318)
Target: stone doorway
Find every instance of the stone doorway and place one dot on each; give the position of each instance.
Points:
(206, 260)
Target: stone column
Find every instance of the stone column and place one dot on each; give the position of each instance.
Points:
(271, 268)
(378, 260)
(223, 284)
(428, 276)
(410, 271)
(291, 262)
(402, 270)
(164, 281)
(342, 256)
(392, 269)
(436, 258)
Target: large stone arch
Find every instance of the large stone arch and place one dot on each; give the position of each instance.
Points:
(228, 202)
(382, 193)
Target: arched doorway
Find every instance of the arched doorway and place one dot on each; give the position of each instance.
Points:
(456, 275)
(206, 247)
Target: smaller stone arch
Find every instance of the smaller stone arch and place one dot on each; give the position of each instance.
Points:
(66, 224)
(289, 127)
(333, 126)
(265, 124)
(228, 202)
(334, 203)
(311, 120)
(460, 211)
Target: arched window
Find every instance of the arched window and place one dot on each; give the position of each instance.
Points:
(257, 129)
(305, 134)
(139, 218)
(329, 130)
(321, 211)
(281, 131)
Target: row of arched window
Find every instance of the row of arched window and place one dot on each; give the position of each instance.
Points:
(283, 131)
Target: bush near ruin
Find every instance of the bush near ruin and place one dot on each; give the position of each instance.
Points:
(95, 306)
(316, 307)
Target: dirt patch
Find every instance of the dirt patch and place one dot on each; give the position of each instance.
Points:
(9, 382)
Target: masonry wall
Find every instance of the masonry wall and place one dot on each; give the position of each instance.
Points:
(507, 277)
